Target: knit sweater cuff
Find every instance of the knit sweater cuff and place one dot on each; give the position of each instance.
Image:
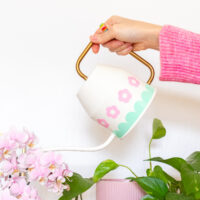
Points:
(179, 55)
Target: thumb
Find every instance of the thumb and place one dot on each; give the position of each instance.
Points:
(101, 37)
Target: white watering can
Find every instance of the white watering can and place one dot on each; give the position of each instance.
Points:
(114, 98)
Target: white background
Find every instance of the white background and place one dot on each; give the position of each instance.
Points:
(40, 41)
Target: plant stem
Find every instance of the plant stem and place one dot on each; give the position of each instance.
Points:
(129, 170)
(76, 198)
(81, 197)
(150, 153)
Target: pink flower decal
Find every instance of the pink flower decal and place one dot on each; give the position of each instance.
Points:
(103, 122)
(133, 81)
(112, 112)
(124, 95)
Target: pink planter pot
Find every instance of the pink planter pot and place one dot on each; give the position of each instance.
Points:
(118, 189)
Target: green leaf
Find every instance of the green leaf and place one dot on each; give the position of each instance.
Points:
(194, 160)
(149, 197)
(103, 168)
(159, 130)
(152, 186)
(173, 162)
(170, 181)
(190, 180)
(159, 173)
(197, 195)
(78, 185)
(149, 172)
(175, 196)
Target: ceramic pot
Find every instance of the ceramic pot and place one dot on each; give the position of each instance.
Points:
(118, 189)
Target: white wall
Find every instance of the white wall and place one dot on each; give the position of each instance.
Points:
(40, 41)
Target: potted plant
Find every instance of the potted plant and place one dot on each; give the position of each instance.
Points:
(156, 185)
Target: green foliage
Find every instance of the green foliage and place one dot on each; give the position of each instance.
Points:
(175, 196)
(103, 168)
(153, 186)
(175, 162)
(190, 180)
(197, 195)
(78, 185)
(173, 184)
(149, 197)
(158, 184)
(159, 130)
(194, 160)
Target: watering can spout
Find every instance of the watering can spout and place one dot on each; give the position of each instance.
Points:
(90, 149)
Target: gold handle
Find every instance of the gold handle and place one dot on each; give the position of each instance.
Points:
(139, 58)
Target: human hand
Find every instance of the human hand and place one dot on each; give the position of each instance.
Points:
(126, 35)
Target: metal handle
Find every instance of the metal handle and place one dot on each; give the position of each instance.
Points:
(139, 58)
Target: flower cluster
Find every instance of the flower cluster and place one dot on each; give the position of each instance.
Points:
(21, 164)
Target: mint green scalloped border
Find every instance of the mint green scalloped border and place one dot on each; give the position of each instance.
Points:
(139, 108)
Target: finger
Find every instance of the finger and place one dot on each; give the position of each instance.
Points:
(113, 20)
(139, 47)
(98, 31)
(113, 44)
(101, 38)
(123, 47)
(95, 48)
(125, 51)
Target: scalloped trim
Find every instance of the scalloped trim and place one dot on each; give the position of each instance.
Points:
(139, 108)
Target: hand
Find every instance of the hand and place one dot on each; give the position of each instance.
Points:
(126, 35)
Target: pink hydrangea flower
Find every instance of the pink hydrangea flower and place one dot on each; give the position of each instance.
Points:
(30, 194)
(124, 95)
(9, 167)
(6, 145)
(32, 139)
(103, 122)
(20, 137)
(18, 187)
(45, 167)
(56, 180)
(5, 195)
(40, 174)
(112, 112)
(57, 187)
(30, 159)
(6, 167)
(67, 172)
(21, 190)
(51, 160)
(133, 81)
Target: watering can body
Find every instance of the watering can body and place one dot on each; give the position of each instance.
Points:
(114, 98)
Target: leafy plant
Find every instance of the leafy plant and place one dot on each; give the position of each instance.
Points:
(78, 185)
(158, 184)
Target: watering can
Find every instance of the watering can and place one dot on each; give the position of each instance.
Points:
(114, 98)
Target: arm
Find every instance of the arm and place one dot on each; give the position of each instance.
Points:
(179, 49)
(179, 55)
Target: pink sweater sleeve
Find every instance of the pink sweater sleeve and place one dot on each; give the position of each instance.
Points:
(179, 55)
